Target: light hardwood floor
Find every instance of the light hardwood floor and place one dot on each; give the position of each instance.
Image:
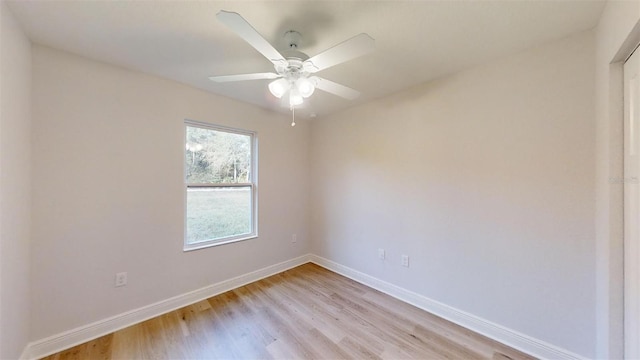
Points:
(304, 313)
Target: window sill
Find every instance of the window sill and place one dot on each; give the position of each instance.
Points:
(205, 244)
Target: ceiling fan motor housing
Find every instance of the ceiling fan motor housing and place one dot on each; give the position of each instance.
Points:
(293, 68)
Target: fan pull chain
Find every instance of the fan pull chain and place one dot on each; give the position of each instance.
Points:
(293, 115)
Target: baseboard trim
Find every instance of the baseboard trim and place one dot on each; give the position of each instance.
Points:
(516, 340)
(522, 342)
(67, 339)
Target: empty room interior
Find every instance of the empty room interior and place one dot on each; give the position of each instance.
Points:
(319, 179)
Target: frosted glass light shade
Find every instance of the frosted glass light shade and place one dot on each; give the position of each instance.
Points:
(305, 87)
(279, 87)
(294, 97)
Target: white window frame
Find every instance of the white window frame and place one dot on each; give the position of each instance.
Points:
(252, 184)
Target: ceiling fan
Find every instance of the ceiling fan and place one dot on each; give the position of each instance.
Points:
(293, 69)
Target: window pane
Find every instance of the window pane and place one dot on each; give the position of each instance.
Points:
(217, 156)
(220, 212)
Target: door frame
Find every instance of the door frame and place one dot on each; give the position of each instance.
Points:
(610, 265)
(631, 292)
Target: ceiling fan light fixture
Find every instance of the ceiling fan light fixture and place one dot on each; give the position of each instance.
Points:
(295, 98)
(279, 87)
(305, 87)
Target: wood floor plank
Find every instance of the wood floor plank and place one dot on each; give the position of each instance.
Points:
(241, 332)
(288, 336)
(196, 319)
(357, 349)
(303, 313)
(313, 312)
(95, 349)
(461, 336)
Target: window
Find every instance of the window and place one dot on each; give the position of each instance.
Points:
(220, 185)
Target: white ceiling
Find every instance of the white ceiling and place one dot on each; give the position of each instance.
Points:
(416, 41)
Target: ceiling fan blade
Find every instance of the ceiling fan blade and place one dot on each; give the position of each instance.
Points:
(243, 29)
(335, 88)
(347, 50)
(243, 77)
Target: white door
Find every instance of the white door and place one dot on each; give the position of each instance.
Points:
(632, 207)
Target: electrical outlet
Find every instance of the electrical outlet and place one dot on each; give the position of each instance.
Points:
(294, 238)
(405, 260)
(121, 279)
(381, 254)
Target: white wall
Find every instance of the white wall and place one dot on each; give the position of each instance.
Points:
(15, 185)
(108, 190)
(486, 179)
(615, 39)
